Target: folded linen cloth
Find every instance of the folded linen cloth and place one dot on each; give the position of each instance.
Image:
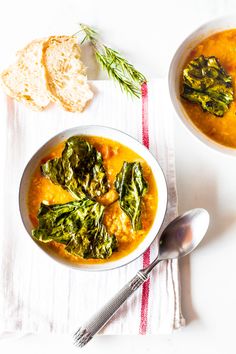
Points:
(38, 295)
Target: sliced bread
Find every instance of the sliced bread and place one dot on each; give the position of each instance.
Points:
(65, 73)
(25, 80)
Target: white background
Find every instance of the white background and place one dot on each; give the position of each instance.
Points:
(148, 33)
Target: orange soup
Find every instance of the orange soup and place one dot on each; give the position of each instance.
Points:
(222, 130)
(115, 220)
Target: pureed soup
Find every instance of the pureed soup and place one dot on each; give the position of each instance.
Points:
(221, 45)
(116, 220)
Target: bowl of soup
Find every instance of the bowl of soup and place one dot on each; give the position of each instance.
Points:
(202, 77)
(93, 198)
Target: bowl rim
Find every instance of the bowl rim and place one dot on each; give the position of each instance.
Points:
(110, 265)
(204, 30)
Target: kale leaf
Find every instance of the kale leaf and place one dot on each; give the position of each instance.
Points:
(207, 83)
(80, 169)
(78, 225)
(131, 186)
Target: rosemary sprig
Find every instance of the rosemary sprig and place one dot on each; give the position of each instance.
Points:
(117, 67)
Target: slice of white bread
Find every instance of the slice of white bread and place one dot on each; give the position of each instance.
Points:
(25, 80)
(65, 73)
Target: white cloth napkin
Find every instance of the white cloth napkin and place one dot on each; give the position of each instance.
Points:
(39, 295)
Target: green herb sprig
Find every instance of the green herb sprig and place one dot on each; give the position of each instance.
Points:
(117, 67)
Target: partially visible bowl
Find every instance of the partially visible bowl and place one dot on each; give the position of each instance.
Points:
(122, 138)
(175, 73)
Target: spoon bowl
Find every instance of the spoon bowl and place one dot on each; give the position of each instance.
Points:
(183, 234)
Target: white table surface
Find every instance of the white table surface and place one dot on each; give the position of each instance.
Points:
(148, 32)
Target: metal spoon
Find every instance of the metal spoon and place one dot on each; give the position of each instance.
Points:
(179, 238)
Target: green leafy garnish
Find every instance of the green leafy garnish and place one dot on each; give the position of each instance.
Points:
(78, 225)
(80, 169)
(207, 83)
(131, 187)
(117, 67)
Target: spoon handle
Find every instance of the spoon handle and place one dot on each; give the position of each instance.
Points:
(95, 323)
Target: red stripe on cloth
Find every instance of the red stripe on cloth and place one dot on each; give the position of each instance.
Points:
(146, 255)
(145, 133)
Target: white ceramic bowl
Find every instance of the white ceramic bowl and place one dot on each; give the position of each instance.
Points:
(175, 73)
(120, 137)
